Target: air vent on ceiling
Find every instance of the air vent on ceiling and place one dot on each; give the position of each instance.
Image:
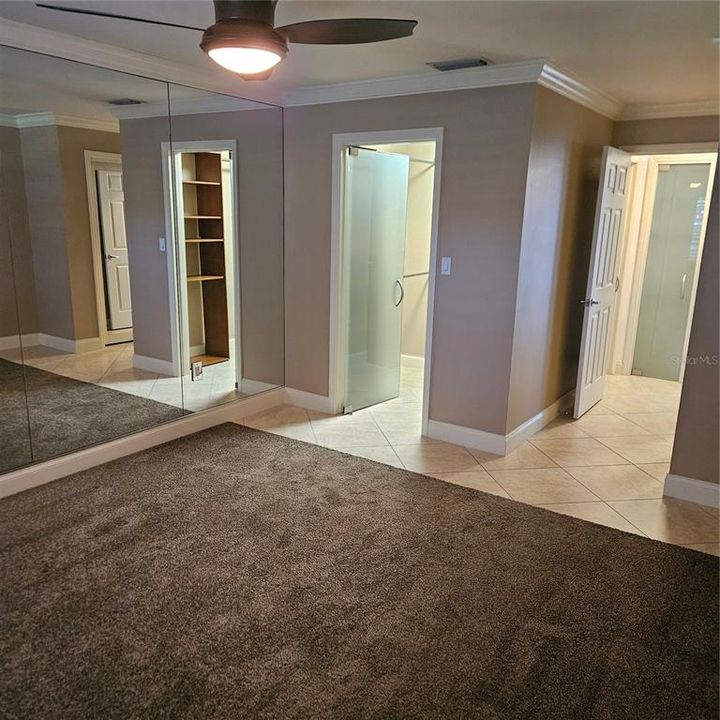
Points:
(125, 101)
(447, 65)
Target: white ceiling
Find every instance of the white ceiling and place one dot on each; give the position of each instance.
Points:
(644, 52)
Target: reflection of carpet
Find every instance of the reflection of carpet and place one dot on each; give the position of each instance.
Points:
(65, 414)
(236, 574)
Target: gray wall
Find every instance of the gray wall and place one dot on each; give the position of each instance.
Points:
(72, 144)
(46, 213)
(15, 229)
(705, 128)
(486, 147)
(260, 207)
(695, 451)
(562, 183)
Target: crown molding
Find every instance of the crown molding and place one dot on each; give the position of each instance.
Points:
(583, 94)
(71, 47)
(427, 82)
(670, 110)
(111, 57)
(44, 119)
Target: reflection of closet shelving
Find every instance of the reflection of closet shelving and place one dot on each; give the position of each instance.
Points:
(208, 327)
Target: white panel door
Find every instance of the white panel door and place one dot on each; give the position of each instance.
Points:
(115, 253)
(600, 295)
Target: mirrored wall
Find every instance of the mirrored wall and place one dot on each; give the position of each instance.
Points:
(141, 253)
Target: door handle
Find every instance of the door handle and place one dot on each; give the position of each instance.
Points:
(402, 293)
(682, 286)
(589, 301)
(110, 256)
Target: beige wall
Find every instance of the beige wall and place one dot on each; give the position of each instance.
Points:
(417, 248)
(417, 242)
(260, 208)
(14, 228)
(562, 182)
(51, 231)
(46, 218)
(486, 146)
(705, 128)
(695, 451)
(72, 143)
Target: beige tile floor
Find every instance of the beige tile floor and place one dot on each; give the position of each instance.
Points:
(607, 467)
(112, 367)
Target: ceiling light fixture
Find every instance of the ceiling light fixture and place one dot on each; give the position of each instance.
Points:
(244, 38)
(246, 47)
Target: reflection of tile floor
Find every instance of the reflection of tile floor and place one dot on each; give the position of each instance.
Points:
(112, 367)
(607, 467)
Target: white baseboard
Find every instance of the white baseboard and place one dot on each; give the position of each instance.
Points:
(68, 345)
(255, 386)
(197, 350)
(495, 443)
(691, 490)
(143, 362)
(309, 401)
(45, 472)
(413, 361)
(58, 343)
(467, 437)
(526, 430)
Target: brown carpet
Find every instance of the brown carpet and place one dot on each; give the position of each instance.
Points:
(236, 574)
(65, 414)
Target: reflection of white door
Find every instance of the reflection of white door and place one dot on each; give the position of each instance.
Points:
(114, 244)
(609, 218)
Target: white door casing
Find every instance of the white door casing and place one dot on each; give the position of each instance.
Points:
(601, 286)
(114, 245)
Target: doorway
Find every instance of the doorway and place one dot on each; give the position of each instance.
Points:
(647, 245)
(385, 203)
(111, 267)
(203, 261)
(660, 261)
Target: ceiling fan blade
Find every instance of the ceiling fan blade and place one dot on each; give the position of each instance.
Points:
(98, 13)
(347, 31)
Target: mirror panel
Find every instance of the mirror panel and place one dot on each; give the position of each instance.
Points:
(78, 237)
(141, 253)
(16, 450)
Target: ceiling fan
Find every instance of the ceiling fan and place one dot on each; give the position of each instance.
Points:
(244, 38)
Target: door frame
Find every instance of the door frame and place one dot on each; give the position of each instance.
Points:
(96, 160)
(340, 143)
(654, 156)
(178, 294)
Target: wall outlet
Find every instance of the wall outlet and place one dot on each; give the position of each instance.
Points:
(162, 244)
(446, 266)
(197, 370)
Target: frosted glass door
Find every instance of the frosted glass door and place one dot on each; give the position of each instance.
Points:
(670, 269)
(374, 245)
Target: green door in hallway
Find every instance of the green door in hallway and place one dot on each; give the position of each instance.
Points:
(670, 269)
(375, 213)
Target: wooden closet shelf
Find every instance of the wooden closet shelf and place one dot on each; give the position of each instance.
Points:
(209, 359)
(202, 182)
(202, 240)
(201, 278)
(203, 217)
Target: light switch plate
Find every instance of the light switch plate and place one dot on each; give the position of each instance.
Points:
(446, 266)
(162, 244)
